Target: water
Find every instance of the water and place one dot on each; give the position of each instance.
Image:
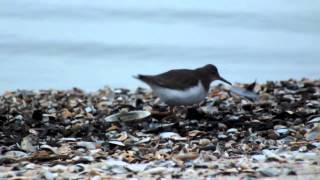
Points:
(90, 44)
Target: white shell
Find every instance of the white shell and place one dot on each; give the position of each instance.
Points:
(128, 116)
(244, 93)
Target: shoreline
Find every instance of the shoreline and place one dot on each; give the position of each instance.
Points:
(144, 86)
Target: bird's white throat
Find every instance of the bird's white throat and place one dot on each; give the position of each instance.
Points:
(192, 95)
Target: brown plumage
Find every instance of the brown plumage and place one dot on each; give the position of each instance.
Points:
(181, 79)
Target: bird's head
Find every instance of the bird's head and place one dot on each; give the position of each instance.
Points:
(214, 74)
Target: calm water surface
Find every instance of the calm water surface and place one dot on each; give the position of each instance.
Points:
(90, 44)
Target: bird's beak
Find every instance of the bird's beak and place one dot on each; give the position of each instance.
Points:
(224, 80)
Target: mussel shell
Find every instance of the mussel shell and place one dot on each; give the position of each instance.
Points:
(128, 116)
(244, 93)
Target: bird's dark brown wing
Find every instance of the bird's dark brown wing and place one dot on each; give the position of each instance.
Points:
(174, 79)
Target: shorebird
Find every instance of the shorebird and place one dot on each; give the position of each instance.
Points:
(183, 86)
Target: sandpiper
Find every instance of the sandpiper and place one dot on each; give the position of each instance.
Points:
(183, 86)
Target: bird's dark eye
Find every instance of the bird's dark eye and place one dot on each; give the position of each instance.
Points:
(214, 69)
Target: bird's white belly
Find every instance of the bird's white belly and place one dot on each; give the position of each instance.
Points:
(189, 96)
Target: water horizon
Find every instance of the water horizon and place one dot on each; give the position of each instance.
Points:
(91, 44)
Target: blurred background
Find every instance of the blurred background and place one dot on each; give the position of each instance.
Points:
(89, 44)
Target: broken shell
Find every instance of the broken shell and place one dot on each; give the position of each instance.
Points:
(232, 131)
(47, 147)
(270, 171)
(87, 145)
(222, 136)
(204, 142)
(123, 136)
(271, 156)
(116, 143)
(83, 159)
(314, 133)
(244, 93)
(172, 136)
(187, 156)
(15, 154)
(168, 135)
(144, 140)
(314, 119)
(156, 170)
(71, 139)
(128, 116)
(27, 144)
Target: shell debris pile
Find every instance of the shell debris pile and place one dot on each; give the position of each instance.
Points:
(247, 131)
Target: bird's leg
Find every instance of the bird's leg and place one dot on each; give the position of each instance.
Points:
(171, 109)
(198, 106)
(163, 114)
(171, 114)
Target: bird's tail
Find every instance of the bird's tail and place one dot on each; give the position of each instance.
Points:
(143, 78)
(139, 76)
